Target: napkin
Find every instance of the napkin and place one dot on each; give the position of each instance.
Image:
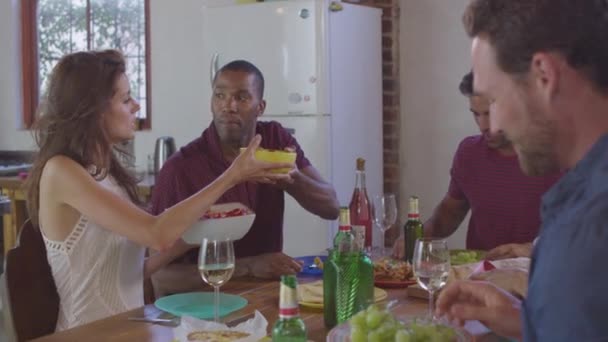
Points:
(256, 327)
(313, 292)
(509, 274)
(483, 266)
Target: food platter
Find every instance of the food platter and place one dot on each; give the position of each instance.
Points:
(392, 273)
(393, 284)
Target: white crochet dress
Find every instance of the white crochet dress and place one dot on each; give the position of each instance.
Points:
(98, 273)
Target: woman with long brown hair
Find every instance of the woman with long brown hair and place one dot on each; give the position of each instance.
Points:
(85, 201)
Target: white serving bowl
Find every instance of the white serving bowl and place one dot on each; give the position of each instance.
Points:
(227, 228)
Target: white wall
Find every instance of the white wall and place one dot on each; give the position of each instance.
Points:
(179, 109)
(177, 105)
(434, 116)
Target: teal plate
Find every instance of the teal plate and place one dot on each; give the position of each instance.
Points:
(199, 304)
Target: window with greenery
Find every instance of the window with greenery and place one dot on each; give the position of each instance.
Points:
(53, 28)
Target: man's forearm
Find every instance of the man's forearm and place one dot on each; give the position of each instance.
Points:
(443, 222)
(158, 260)
(242, 267)
(177, 278)
(317, 197)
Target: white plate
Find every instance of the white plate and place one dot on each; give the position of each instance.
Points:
(228, 228)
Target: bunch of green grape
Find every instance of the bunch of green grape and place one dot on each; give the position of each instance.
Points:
(464, 257)
(430, 332)
(375, 325)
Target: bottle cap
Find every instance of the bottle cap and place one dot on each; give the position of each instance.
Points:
(414, 210)
(360, 164)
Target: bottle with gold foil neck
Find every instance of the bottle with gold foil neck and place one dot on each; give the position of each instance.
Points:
(290, 326)
(412, 230)
(344, 241)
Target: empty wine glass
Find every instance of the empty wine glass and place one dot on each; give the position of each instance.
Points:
(216, 265)
(431, 266)
(385, 215)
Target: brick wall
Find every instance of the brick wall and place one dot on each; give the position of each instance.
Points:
(390, 90)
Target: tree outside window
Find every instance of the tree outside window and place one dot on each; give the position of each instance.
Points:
(53, 28)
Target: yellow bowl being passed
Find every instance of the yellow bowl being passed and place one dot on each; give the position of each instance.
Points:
(274, 156)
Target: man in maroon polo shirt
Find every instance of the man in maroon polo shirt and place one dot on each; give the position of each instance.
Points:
(237, 102)
(486, 179)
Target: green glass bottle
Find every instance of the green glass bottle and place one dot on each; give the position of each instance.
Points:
(365, 294)
(347, 285)
(348, 276)
(290, 327)
(412, 230)
(329, 289)
(344, 241)
(344, 244)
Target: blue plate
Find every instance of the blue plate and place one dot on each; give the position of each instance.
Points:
(199, 304)
(308, 265)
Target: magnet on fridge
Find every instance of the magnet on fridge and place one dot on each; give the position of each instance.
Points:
(294, 98)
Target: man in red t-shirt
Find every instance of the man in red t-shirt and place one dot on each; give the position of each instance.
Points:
(237, 102)
(486, 179)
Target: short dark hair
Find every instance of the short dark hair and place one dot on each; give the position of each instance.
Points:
(248, 67)
(466, 85)
(518, 29)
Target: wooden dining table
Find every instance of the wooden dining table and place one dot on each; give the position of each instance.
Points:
(262, 295)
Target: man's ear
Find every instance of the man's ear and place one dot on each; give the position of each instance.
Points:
(546, 73)
(261, 107)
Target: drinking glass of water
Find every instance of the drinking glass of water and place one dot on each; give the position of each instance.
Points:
(431, 264)
(216, 265)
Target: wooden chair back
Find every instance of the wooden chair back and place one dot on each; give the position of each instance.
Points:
(33, 300)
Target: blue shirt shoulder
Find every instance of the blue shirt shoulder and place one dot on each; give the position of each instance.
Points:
(568, 292)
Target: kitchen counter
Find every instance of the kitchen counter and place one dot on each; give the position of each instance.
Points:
(12, 187)
(10, 182)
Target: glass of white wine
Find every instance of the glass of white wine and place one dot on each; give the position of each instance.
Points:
(216, 265)
(431, 266)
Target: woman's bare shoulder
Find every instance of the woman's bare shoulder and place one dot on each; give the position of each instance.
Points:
(60, 171)
(60, 165)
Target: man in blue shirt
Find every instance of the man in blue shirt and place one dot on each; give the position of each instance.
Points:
(543, 64)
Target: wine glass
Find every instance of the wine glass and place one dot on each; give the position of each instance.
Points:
(385, 215)
(216, 265)
(431, 266)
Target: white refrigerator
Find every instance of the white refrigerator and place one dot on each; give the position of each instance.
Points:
(322, 66)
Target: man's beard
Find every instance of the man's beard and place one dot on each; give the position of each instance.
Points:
(498, 142)
(535, 147)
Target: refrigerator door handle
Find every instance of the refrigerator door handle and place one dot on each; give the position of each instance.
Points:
(213, 67)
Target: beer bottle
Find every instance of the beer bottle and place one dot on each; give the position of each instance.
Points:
(412, 230)
(290, 327)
